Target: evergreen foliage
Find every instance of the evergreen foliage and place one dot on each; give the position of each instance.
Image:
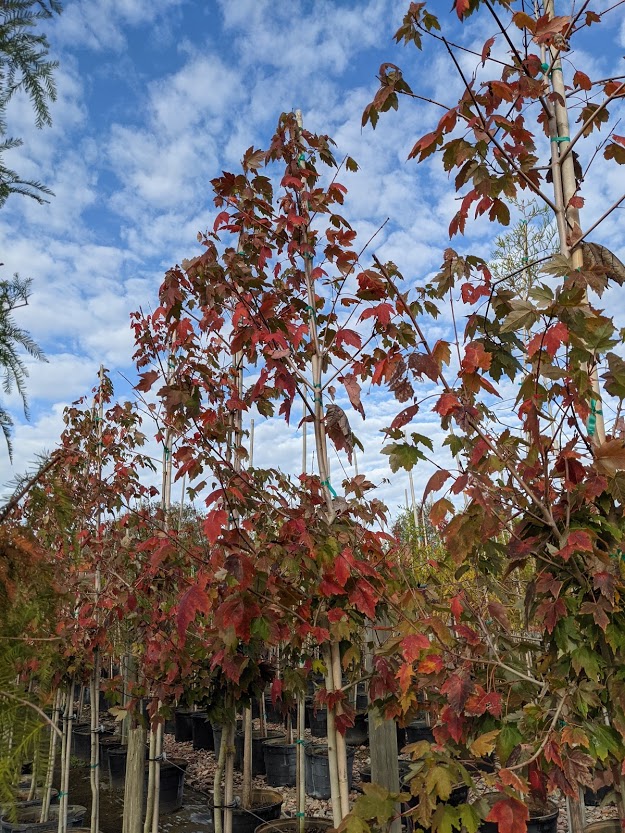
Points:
(24, 67)
(13, 371)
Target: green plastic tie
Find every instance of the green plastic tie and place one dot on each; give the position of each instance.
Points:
(94, 766)
(317, 385)
(318, 399)
(171, 362)
(544, 67)
(591, 425)
(523, 222)
(559, 139)
(330, 487)
(308, 256)
(312, 311)
(301, 159)
(241, 253)
(61, 794)
(523, 260)
(166, 450)
(301, 741)
(300, 815)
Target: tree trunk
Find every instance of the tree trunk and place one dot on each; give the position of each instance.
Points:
(135, 774)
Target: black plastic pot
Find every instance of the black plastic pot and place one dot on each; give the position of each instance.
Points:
(401, 736)
(594, 798)
(202, 731)
(116, 756)
(272, 714)
(419, 730)
(312, 824)
(106, 744)
(184, 725)
(358, 734)
(317, 769)
(217, 732)
(81, 741)
(280, 762)
(27, 820)
(362, 700)
(543, 817)
(266, 806)
(170, 726)
(258, 759)
(21, 797)
(317, 721)
(171, 784)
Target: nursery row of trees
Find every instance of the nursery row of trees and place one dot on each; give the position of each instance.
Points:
(513, 639)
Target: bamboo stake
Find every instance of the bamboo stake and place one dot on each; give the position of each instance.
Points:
(94, 770)
(68, 719)
(47, 789)
(341, 747)
(219, 771)
(300, 771)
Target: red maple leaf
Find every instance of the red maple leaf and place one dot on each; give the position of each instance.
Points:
(461, 7)
(413, 644)
(510, 814)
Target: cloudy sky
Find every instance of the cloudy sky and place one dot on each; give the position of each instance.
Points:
(155, 99)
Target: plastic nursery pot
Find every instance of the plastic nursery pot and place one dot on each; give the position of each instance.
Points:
(217, 733)
(81, 741)
(258, 759)
(594, 798)
(312, 824)
(202, 731)
(171, 784)
(317, 770)
(362, 700)
(358, 734)
(27, 820)
(184, 725)
(419, 730)
(543, 817)
(117, 756)
(266, 806)
(280, 762)
(21, 796)
(317, 721)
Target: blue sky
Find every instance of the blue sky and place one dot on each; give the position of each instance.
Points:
(157, 98)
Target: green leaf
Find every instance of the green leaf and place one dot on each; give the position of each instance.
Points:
(377, 803)
(469, 817)
(584, 657)
(509, 737)
(438, 782)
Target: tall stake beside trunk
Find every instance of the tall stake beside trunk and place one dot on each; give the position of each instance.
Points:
(156, 728)
(47, 787)
(94, 770)
(66, 754)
